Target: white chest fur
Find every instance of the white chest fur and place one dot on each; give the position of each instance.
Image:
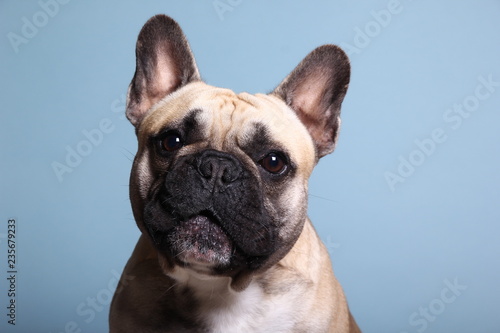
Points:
(251, 310)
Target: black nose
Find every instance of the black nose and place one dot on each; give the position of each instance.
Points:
(218, 168)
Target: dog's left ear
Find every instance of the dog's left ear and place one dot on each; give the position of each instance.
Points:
(315, 90)
(164, 63)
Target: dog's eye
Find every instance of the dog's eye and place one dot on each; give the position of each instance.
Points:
(274, 163)
(171, 141)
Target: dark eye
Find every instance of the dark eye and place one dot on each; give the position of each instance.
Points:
(171, 141)
(274, 163)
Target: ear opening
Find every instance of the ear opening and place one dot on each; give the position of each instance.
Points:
(315, 90)
(164, 63)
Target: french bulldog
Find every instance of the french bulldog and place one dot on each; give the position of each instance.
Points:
(219, 192)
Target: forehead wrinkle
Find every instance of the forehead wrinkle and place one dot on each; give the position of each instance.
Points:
(243, 118)
(222, 120)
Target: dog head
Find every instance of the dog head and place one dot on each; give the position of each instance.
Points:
(219, 182)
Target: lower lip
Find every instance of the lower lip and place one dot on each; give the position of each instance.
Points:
(199, 240)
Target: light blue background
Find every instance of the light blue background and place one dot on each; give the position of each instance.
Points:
(393, 250)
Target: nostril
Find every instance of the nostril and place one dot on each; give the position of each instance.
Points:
(229, 174)
(206, 169)
(226, 176)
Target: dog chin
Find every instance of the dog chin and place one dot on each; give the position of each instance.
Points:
(200, 243)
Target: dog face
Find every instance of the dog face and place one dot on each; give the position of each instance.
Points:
(219, 182)
(227, 177)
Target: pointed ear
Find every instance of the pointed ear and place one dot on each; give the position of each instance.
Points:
(315, 90)
(164, 63)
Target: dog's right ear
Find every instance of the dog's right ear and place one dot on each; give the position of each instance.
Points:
(315, 90)
(164, 63)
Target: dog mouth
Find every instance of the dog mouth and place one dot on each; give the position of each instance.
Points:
(200, 241)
